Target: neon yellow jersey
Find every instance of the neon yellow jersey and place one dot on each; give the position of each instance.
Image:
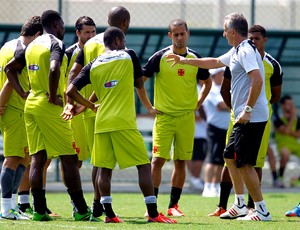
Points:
(7, 52)
(273, 77)
(92, 49)
(175, 88)
(112, 75)
(38, 55)
(72, 53)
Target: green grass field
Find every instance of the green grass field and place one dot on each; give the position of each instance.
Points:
(130, 208)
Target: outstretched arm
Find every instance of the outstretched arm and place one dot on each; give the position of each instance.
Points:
(204, 63)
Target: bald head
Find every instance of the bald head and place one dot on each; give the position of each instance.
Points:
(119, 17)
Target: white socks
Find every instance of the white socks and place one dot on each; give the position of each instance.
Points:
(239, 200)
(261, 207)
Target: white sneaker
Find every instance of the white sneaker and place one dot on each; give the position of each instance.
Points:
(235, 212)
(256, 216)
(196, 183)
(14, 215)
(209, 192)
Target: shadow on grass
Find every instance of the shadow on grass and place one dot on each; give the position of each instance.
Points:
(142, 221)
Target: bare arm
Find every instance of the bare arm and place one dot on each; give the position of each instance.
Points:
(73, 93)
(12, 70)
(225, 91)
(222, 106)
(204, 63)
(5, 95)
(206, 86)
(276, 94)
(143, 96)
(54, 75)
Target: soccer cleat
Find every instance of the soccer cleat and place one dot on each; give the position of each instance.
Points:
(29, 212)
(115, 219)
(14, 215)
(295, 212)
(96, 219)
(41, 217)
(218, 212)
(235, 212)
(174, 211)
(83, 217)
(161, 219)
(17, 209)
(256, 216)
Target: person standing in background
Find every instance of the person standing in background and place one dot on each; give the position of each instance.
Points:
(217, 117)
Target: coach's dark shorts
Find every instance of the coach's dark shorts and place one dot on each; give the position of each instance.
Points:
(216, 143)
(200, 149)
(244, 143)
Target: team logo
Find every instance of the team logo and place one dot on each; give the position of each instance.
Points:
(110, 84)
(155, 148)
(181, 72)
(33, 67)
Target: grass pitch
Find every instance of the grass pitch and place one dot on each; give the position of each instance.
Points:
(131, 208)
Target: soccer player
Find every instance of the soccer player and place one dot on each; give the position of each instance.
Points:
(119, 17)
(12, 122)
(46, 66)
(85, 29)
(175, 101)
(250, 106)
(113, 75)
(273, 82)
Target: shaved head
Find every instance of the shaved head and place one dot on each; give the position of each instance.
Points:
(119, 17)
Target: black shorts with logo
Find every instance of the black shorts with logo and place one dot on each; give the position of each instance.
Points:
(244, 142)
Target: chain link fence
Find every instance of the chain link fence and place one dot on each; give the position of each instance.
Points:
(200, 14)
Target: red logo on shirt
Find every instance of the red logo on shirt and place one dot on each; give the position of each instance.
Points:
(155, 149)
(181, 72)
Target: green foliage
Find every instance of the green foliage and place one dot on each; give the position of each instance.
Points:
(131, 208)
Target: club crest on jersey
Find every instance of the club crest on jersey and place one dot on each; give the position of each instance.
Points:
(33, 67)
(181, 72)
(110, 84)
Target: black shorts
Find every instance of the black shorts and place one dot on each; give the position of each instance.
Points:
(216, 144)
(200, 149)
(244, 142)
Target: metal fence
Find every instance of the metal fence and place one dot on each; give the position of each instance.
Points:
(203, 14)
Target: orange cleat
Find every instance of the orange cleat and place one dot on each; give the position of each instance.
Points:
(218, 212)
(161, 219)
(174, 211)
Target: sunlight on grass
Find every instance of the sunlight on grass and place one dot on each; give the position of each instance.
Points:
(131, 208)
